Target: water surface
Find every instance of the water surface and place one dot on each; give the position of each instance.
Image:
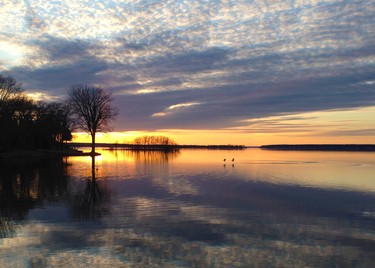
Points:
(190, 208)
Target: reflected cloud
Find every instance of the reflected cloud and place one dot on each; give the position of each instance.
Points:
(239, 217)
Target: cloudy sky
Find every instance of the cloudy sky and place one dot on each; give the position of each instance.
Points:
(205, 71)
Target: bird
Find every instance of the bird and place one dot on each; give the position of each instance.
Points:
(224, 159)
(232, 159)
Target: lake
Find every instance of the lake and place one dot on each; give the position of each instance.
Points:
(189, 208)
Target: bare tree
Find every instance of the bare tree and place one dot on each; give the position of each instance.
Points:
(92, 109)
(9, 87)
(154, 140)
(10, 91)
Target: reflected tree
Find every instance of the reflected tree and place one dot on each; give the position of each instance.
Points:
(8, 228)
(24, 187)
(15, 198)
(162, 157)
(92, 201)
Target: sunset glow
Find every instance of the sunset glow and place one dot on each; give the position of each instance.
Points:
(331, 127)
(204, 72)
(181, 133)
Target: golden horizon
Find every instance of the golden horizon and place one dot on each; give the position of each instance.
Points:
(328, 127)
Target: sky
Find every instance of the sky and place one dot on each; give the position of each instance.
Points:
(246, 72)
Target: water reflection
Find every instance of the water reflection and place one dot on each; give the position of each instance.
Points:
(146, 156)
(24, 187)
(90, 201)
(149, 209)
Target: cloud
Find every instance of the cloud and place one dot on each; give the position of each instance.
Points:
(175, 108)
(356, 132)
(60, 73)
(243, 60)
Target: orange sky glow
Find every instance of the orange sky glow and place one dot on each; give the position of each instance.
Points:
(343, 126)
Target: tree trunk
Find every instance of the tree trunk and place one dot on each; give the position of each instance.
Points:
(93, 143)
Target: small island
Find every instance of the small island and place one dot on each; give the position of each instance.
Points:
(321, 147)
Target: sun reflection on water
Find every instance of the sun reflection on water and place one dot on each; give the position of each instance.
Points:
(346, 170)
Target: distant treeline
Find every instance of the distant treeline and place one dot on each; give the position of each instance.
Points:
(322, 147)
(158, 146)
(28, 124)
(154, 140)
(214, 147)
(157, 143)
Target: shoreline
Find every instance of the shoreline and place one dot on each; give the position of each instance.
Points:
(38, 155)
(154, 147)
(280, 147)
(34, 156)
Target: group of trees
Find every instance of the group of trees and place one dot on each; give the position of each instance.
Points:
(27, 123)
(153, 140)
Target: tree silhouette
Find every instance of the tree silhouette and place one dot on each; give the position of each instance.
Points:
(53, 123)
(10, 90)
(154, 140)
(92, 109)
(29, 124)
(9, 87)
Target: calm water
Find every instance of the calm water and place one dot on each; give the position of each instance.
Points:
(188, 209)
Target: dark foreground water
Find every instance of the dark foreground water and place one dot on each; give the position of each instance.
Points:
(188, 209)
